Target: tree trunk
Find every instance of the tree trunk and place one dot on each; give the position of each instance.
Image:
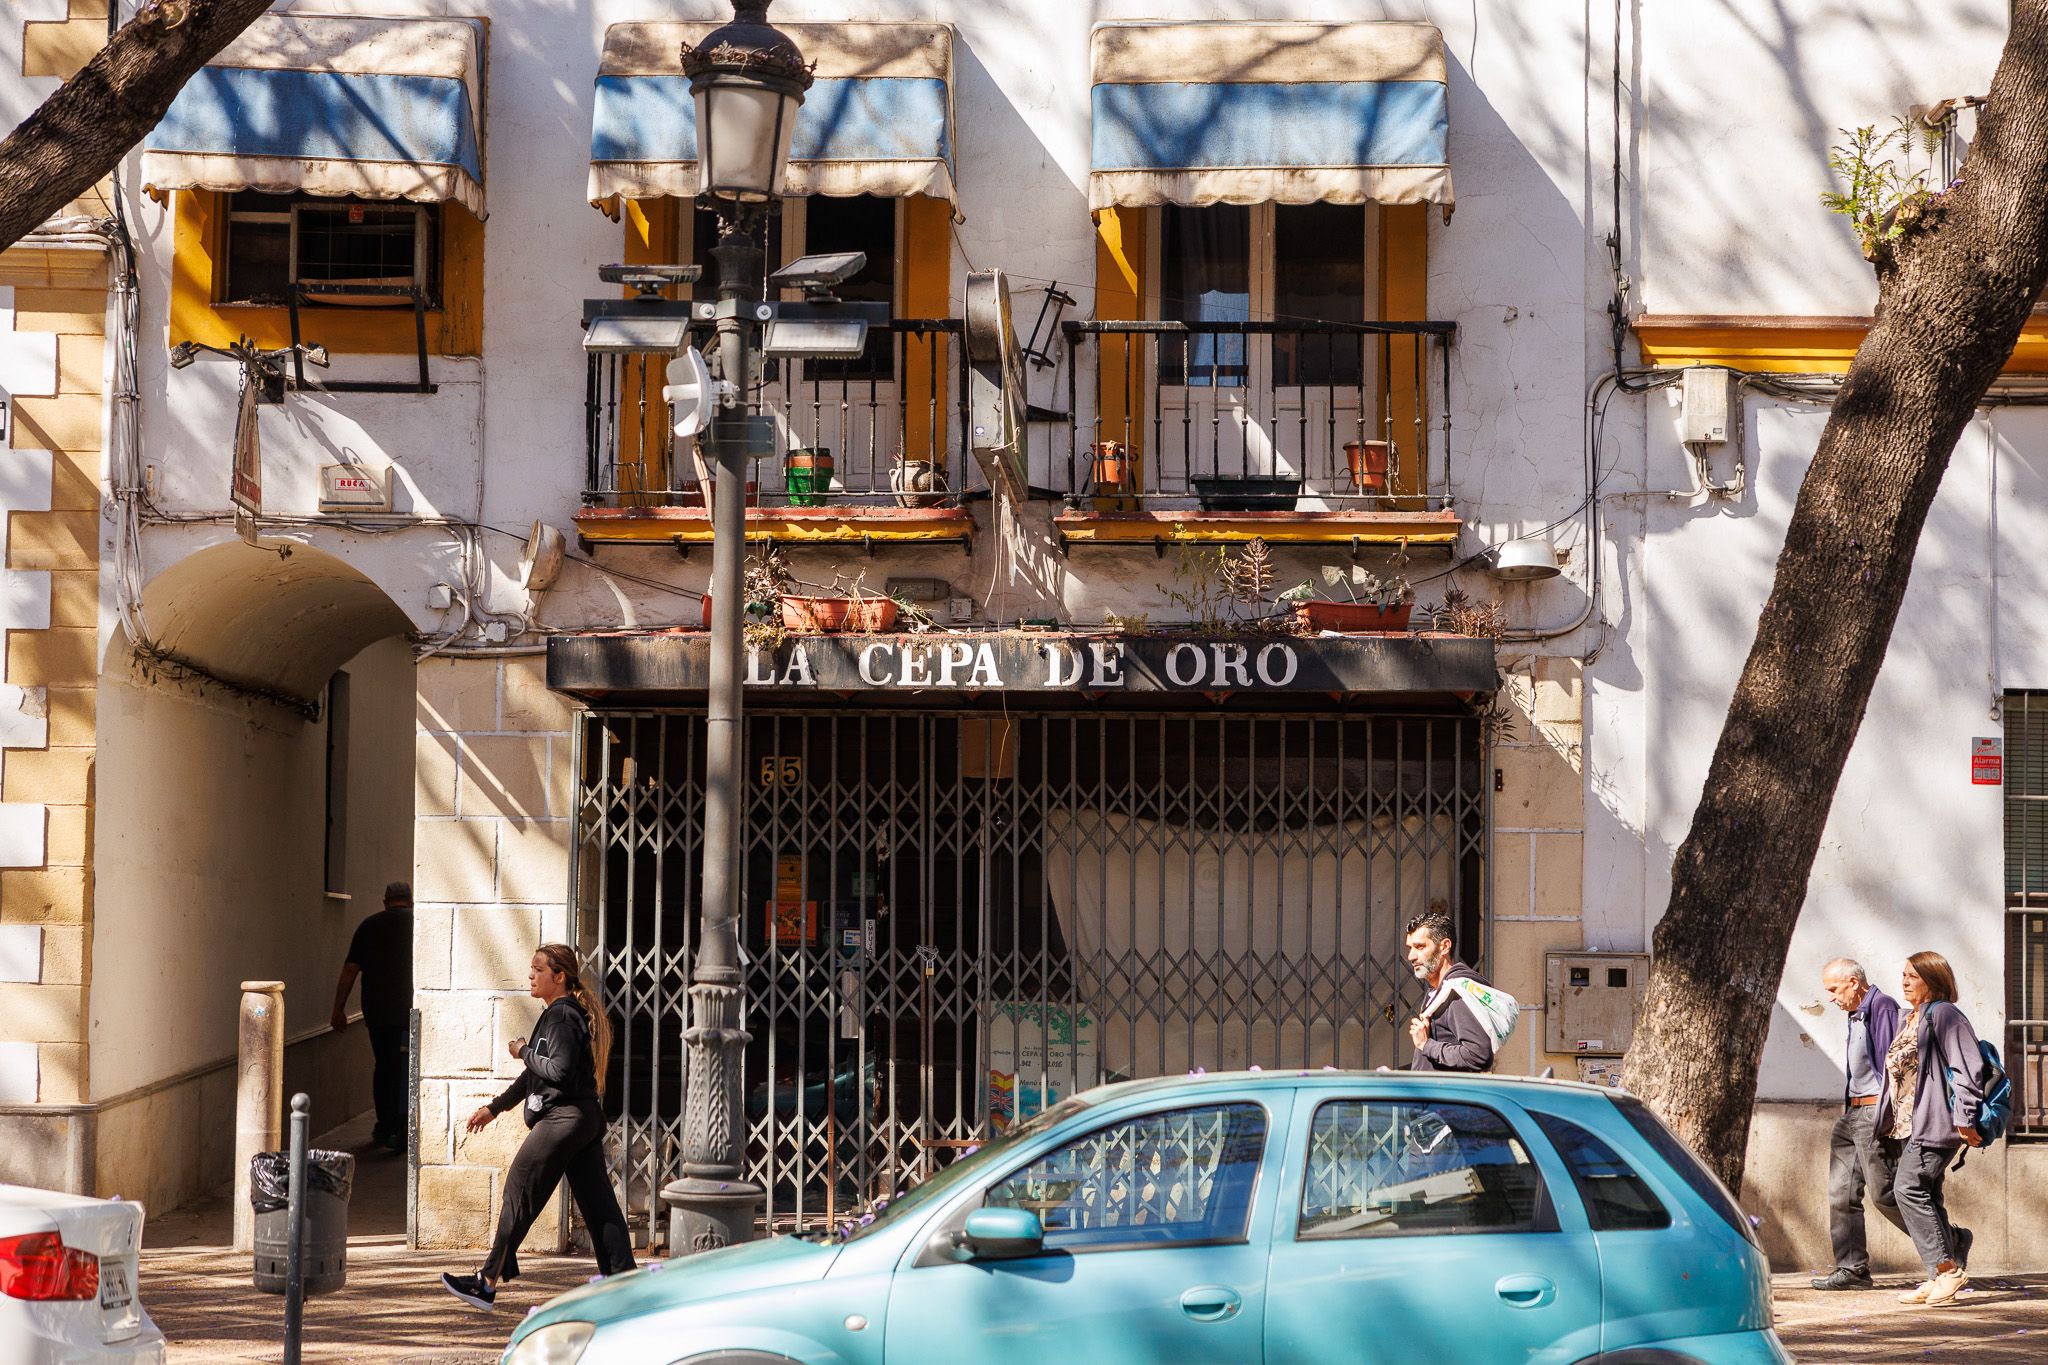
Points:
(1953, 292)
(82, 132)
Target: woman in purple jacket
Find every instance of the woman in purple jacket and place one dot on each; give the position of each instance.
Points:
(1926, 1110)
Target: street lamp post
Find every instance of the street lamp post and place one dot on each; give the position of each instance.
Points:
(747, 80)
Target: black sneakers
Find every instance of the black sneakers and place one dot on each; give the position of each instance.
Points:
(1840, 1279)
(471, 1290)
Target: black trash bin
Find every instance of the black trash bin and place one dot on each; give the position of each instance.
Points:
(324, 1249)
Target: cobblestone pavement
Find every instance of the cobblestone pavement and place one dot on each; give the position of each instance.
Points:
(394, 1310)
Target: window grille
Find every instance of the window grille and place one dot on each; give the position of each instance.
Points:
(953, 920)
(2026, 912)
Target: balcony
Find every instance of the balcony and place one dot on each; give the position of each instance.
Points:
(889, 421)
(1288, 431)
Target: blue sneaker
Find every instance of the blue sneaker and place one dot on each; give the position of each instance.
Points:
(471, 1290)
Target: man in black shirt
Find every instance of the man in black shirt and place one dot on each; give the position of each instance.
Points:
(381, 953)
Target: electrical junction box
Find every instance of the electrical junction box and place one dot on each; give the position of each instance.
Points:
(1709, 409)
(1589, 1001)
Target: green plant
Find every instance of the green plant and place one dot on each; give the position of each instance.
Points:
(1881, 200)
(1215, 585)
(1360, 584)
(1135, 623)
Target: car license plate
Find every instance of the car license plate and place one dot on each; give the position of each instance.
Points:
(116, 1292)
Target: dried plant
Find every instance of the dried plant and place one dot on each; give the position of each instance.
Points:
(1460, 614)
(1135, 623)
(1248, 574)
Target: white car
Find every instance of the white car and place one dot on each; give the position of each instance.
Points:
(68, 1281)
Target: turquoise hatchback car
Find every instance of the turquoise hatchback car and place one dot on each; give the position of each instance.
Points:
(1276, 1217)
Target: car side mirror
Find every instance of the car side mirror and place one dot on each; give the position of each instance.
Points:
(1002, 1234)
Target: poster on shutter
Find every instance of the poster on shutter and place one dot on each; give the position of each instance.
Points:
(1987, 762)
(1038, 1055)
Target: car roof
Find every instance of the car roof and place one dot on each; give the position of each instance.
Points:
(1331, 1078)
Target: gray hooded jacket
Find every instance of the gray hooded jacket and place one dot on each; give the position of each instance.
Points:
(1947, 1043)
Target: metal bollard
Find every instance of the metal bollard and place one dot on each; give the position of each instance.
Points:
(295, 1214)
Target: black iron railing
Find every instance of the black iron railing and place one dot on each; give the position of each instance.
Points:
(1260, 416)
(889, 420)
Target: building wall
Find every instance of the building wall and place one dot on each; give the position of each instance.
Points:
(1606, 727)
(492, 794)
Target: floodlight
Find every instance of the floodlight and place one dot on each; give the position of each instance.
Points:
(650, 279)
(183, 354)
(315, 354)
(821, 271)
(825, 338)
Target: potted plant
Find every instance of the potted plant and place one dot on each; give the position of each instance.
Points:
(1375, 603)
(850, 609)
(1111, 472)
(807, 474)
(1368, 462)
(918, 483)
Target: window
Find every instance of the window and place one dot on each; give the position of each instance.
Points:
(1181, 1178)
(861, 223)
(1384, 1168)
(335, 861)
(1616, 1198)
(1679, 1157)
(2025, 775)
(1296, 265)
(275, 240)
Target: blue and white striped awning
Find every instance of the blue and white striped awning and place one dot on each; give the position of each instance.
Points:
(1250, 113)
(332, 105)
(878, 120)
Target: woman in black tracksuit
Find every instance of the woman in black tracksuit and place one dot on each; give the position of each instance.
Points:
(560, 1088)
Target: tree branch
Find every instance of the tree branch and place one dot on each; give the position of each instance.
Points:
(82, 132)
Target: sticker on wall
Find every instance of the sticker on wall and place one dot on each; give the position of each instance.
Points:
(1987, 762)
(353, 488)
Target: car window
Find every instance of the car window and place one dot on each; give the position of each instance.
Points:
(1679, 1157)
(1174, 1178)
(1379, 1168)
(965, 1169)
(1617, 1199)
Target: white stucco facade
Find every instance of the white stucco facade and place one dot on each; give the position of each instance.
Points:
(1617, 689)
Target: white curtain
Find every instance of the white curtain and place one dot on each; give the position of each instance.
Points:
(1207, 948)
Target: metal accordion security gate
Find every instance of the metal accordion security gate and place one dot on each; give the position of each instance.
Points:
(953, 919)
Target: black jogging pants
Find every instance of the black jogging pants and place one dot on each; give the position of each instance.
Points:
(567, 1140)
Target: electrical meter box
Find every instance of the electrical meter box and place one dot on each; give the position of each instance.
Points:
(1589, 1001)
(1708, 408)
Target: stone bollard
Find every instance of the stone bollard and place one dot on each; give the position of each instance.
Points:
(259, 1092)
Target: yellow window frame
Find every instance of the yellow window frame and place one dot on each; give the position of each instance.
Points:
(199, 237)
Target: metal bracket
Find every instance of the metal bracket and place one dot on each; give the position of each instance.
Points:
(683, 547)
(298, 292)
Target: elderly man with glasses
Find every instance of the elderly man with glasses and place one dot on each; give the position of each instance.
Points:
(1856, 1160)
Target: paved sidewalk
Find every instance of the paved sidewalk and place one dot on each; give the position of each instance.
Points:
(394, 1310)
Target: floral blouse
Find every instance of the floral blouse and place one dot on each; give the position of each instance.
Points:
(1902, 1063)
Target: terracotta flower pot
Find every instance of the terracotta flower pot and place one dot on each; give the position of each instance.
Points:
(1368, 462)
(1354, 616)
(826, 615)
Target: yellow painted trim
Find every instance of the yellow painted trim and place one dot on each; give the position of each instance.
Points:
(1310, 529)
(199, 235)
(653, 236)
(1793, 345)
(891, 526)
(927, 293)
(1404, 297)
(1120, 256)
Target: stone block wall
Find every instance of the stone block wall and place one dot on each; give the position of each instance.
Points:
(492, 834)
(52, 366)
(1539, 822)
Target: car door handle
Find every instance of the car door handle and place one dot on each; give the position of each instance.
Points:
(1210, 1303)
(1525, 1291)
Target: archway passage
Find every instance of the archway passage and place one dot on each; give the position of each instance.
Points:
(254, 797)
